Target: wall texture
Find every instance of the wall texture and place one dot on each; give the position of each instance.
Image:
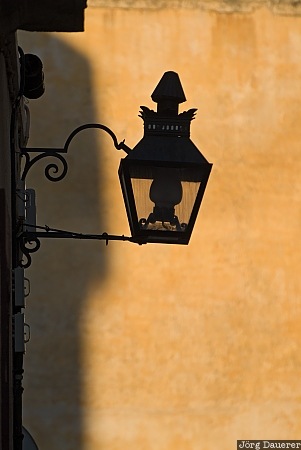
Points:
(163, 347)
(287, 7)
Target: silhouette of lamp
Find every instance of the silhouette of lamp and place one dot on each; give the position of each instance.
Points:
(164, 177)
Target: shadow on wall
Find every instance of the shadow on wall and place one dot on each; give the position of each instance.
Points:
(62, 271)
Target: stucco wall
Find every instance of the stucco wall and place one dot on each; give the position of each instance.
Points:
(164, 347)
(287, 7)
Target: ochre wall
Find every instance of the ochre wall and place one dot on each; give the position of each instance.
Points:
(169, 347)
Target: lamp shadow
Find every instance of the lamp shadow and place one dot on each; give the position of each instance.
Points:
(63, 271)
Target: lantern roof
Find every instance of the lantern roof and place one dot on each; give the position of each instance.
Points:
(166, 132)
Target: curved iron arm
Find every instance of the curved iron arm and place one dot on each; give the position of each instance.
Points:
(119, 146)
(52, 170)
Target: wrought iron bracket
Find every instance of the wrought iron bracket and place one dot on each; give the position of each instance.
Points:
(29, 241)
(56, 171)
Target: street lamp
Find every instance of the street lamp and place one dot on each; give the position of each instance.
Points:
(163, 179)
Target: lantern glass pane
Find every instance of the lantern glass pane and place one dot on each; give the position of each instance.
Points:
(145, 207)
(184, 209)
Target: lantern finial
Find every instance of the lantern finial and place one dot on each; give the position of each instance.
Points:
(168, 94)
